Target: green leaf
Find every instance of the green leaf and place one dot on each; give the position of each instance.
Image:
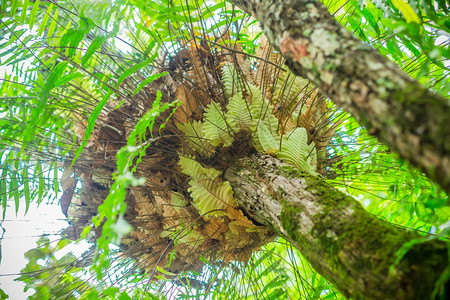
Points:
(55, 177)
(13, 7)
(211, 196)
(238, 114)
(62, 243)
(196, 139)
(38, 172)
(295, 151)
(266, 139)
(3, 189)
(45, 93)
(91, 123)
(33, 13)
(24, 12)
(94, 46)
(71, 39)
(210, 11)
(215, 127)
(45, 19)
(149, 80)
(14, 190)
(159, 269)
(231, 80)
(124, 296)
(147, 121)
(66, 78)
(3, 295)
(370, 18)
(26, 188)
(261, 109)
(52, 26)
(135, 68)
(406, 10)
(195, 170)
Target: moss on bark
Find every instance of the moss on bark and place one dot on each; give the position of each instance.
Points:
(350, 247)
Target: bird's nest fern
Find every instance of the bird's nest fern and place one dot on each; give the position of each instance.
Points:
(229, 106)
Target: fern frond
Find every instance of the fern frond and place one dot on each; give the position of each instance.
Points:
(287, 90)
(178, 200)
(189, 104)
(211, 196)
(198, 72)
(196, 138)
(215, 126)
(262, 110)
(268, 142)
(191, 238)
(231, 81)
(238, 113)
(295, 150)
(195, 170)
(312, 155)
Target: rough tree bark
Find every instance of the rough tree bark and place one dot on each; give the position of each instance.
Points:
(406, 116)
(350, 247)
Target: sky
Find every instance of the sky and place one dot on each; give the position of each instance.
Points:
(21, 235)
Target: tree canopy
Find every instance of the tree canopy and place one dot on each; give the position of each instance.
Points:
(133, 114)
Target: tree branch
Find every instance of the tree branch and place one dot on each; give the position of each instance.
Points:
(412, 120)
(347, 245)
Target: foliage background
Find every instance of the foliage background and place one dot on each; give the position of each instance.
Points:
(67, 58)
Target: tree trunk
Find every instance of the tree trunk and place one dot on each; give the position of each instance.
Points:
(350, 247)
(406, 116)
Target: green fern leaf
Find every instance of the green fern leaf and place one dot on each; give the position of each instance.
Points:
(14, 189)
(23, 15)
(215, 127)
(312, 155)
(91, 123)
(267, 141)
(287, 89)
(127, 73)
(210, 195)
(178, 201)
(4, 190)
(262, 110)
(294, 150)
(94, 46)
(196, 139)
(192, 238)
(52, 27)
(14, 6)
(238, 115)
(45, 19)
(33, 13)
(256, 94)
(26, 188)
(261, 113)
(231, 80)
(195, 170)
